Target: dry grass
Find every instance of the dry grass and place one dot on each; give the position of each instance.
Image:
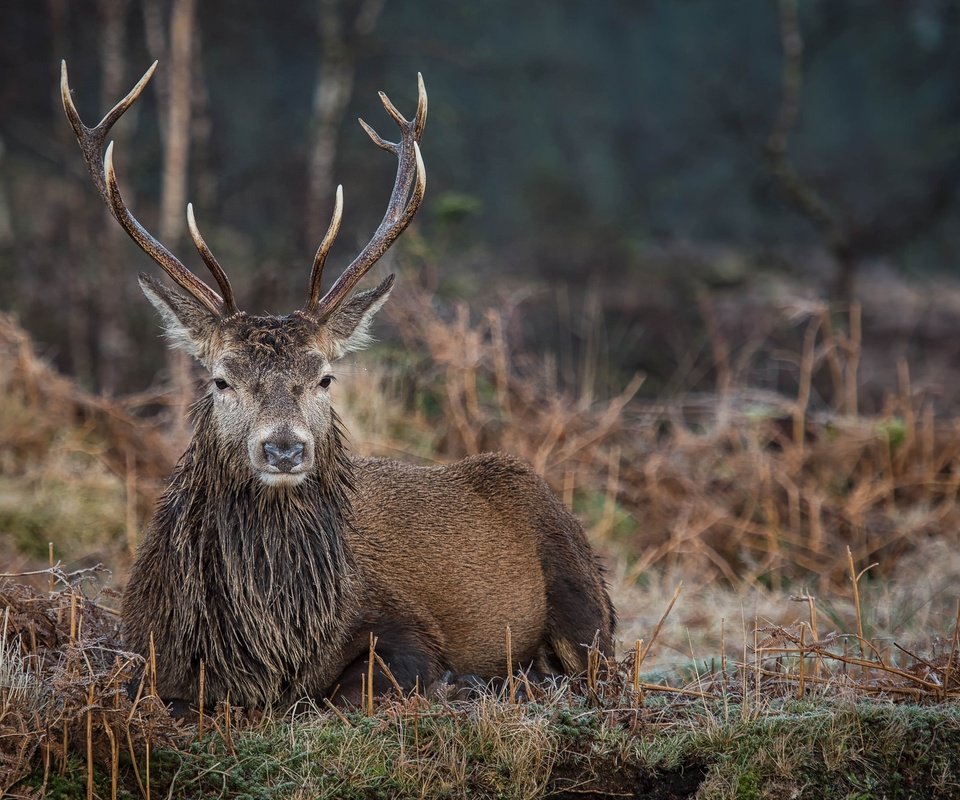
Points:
(63, 686)
(770, 509)
(75, 469)
(67, 719)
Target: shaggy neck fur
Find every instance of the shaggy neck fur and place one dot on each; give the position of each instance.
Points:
(265, 570)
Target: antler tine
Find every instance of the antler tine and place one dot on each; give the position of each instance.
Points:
(229, 304)
(378, 140)
(401, 208)
(421, 116)
(167, 260)
(320, 258)
(392, 110)
(100, 166)
(91, 139)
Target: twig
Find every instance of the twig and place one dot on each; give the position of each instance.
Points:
(200, 703)
(511, 685)
(90, 700)
(370, 663)
(338, 712)
(656, 630)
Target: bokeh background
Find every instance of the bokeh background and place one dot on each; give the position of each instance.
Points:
(696, 260)
(635, 149)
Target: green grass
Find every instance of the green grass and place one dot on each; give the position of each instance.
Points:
(487, 749)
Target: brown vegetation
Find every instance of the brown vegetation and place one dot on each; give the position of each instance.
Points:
(743, 489)
(743, 486)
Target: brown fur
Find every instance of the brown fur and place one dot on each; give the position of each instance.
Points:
(272, 555)
(277, 588)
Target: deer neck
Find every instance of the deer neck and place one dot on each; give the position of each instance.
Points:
(262, 543)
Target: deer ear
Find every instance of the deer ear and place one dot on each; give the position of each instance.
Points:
(188, 324)
(349, 325)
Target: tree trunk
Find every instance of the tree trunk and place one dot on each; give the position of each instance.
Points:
(173, 196)
(334, 87)
(113, 341)
(71, 211)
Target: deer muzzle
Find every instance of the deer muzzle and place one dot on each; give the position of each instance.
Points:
(282, 456)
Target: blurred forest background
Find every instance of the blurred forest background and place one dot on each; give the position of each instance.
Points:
(614, 159)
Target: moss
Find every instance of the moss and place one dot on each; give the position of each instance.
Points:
(809, 749)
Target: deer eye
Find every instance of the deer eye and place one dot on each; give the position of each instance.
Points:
(325, 381)
(221, 384)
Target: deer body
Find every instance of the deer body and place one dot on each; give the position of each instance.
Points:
(273, 555)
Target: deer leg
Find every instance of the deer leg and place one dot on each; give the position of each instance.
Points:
(409, 655)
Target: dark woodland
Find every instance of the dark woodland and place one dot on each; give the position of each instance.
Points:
(617, 155)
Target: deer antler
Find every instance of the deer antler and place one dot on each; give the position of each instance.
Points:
(403, 204)
(100, 165)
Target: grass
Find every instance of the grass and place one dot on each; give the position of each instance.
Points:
(799, 714)
(489, 749)
(812, 651)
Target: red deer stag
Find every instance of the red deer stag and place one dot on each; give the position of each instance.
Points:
(273, 554)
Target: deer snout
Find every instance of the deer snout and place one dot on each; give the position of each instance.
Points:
(284, 454)
(281, 455)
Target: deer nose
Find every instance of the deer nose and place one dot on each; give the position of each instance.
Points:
(284, 455)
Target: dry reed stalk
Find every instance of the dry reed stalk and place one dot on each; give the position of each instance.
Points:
(114, 759)
(679, 690)
(227, 715)
(68, 668)
(800, 685)
(636, 666)
(723, 648)
(339, 714)
(370, 662)
(932, 688)
(200, 703)
(756, 660)
(511, 685)
(854, 580)
(90, 699)
(146, 771)
(73, 620)
(527, 686)
(133, 753)
(953, 652)
(593, 672)
(133, 761)
(34, 650)
(909, 691)
(389, 675)
(50, 562)
(153, 667)
(813, 630)
(663, 617)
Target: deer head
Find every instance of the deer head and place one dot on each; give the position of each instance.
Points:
(268, 375)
